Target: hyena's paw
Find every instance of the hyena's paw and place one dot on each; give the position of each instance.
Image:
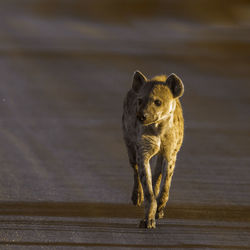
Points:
(159, 214)
(147, 223)
(137, 197)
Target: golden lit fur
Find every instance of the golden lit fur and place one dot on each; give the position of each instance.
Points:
(153, 126)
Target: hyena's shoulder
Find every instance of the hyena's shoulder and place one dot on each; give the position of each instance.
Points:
(178, 123)
(178, 113)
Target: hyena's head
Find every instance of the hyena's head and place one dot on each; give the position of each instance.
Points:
(156, 98)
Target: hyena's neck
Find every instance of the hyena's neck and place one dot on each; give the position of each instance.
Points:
(155, 129)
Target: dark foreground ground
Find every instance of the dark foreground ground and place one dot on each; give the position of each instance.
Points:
(65, 182)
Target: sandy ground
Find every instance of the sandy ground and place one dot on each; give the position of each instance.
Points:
(65, 181)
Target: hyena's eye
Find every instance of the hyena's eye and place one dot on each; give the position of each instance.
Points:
(157, 102)
(139, 101)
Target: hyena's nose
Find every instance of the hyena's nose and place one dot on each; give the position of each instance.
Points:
(141, 118)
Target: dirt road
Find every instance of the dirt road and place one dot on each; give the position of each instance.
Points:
(65, 181)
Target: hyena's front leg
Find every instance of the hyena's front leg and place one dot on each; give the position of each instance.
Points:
(164, 193)
(157, 176)
(137, 194)
(144, 156)
(149, 197)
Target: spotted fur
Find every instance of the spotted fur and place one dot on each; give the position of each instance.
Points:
(153, 125)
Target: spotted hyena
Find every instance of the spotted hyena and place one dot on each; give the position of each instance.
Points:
(153, 125)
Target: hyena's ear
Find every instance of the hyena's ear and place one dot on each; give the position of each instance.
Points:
(175, 84)
(138, 81)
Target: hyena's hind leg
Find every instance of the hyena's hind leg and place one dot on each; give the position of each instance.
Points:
(164, 193)
(137, 193)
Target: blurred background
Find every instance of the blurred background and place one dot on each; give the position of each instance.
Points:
(65, 68)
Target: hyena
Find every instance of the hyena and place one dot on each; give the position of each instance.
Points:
(153, 125)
